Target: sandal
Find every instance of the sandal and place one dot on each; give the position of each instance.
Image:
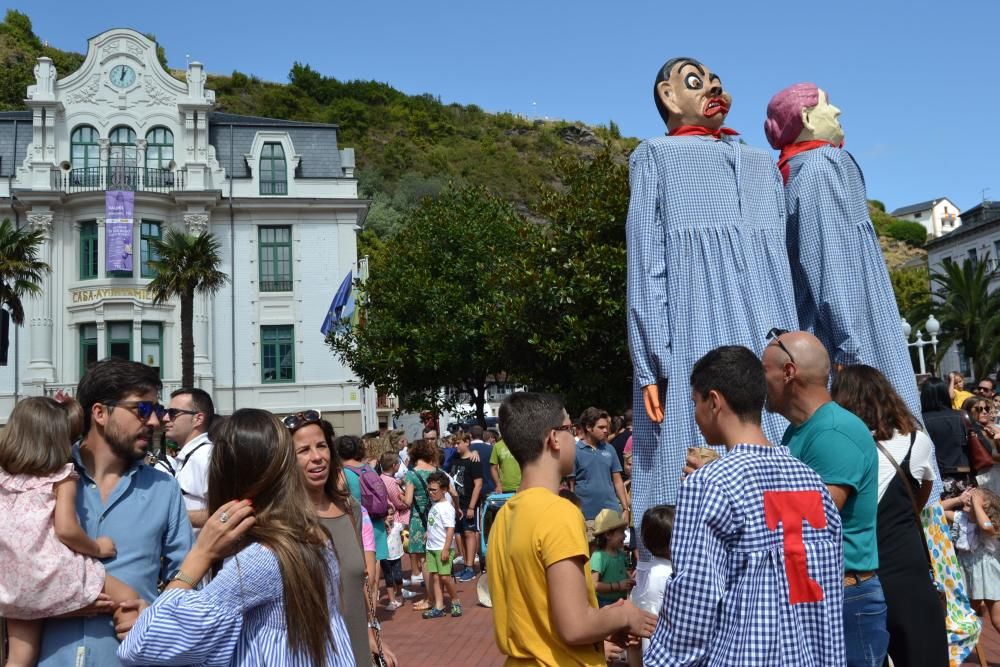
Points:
(423, 605)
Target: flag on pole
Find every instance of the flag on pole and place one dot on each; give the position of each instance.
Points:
(341, 308)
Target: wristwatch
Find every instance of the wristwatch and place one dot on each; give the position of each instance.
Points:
(184, 579)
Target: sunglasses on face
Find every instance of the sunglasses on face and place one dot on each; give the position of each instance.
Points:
(143, 409)
(775, 335)
(986, 389)
(174, 413)
(300, 419)
(563, 427)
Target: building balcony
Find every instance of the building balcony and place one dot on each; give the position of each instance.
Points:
(118, 177)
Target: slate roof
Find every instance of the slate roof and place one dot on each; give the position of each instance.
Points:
(916, 208)
(11, 155)
(316, 143)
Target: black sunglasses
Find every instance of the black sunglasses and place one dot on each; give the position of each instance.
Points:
(143, 409)
(984, 389)
(300, 419)
(173, 413)
(775, 335)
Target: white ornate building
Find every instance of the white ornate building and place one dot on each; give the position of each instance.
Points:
(280, 196)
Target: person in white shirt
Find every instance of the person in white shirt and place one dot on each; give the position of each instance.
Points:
(651, 575)
(186, 422)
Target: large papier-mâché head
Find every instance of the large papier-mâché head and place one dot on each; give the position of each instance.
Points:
(802, 112)
(688, 93)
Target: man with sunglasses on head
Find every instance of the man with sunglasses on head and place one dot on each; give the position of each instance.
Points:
(186, 422)
(120, 497)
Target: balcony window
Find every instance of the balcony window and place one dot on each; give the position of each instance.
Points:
(273, 170)
(88, 347)
(123, 160)
(85, 156)
(275, 257)
(159, 155)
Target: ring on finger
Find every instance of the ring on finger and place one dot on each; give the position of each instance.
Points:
(224, 517)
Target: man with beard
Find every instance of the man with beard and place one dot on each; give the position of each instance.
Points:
(139, 508)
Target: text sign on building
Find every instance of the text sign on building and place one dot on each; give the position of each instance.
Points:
(119, 208)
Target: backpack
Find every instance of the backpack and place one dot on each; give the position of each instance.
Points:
(374, 496)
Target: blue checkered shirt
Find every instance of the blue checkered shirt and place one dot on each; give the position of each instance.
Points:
(727, 602)
(842, 290)
(707, 266)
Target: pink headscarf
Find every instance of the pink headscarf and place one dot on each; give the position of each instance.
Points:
(784, 113)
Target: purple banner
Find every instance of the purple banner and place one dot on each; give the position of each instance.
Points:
(118, 243)
(119, 204)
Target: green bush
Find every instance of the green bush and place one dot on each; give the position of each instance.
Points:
(909, 232)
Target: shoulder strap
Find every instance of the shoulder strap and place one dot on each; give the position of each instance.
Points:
(909, 491)
(187, 458)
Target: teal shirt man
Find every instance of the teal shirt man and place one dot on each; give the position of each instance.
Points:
(840, 448)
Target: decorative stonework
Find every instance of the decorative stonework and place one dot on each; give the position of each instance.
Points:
(197, 223)
(41, 222)
(111, 48)
(156, 94)
(134, 49)
(87, 93)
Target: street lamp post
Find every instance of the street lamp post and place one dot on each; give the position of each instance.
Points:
(933, 327)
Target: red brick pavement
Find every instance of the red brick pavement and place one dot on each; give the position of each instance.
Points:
(468, 641)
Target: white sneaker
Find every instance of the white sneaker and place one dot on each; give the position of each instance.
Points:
(414, 580)
(458, 560)
(409, 595)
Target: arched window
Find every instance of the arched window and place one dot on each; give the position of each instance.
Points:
(159, 148)
(273, 170)
(85, 147)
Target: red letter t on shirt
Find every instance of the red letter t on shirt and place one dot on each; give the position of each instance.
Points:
(789, 508)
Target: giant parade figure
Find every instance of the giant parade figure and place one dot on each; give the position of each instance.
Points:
(842, 290)
(707, 266)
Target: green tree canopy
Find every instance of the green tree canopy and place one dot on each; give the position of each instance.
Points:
(20, 269)
(968, 311)
(438, 304)
(572, 306)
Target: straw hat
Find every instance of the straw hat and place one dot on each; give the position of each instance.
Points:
(608, 520)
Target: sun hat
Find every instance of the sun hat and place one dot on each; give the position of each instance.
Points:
(608, 520)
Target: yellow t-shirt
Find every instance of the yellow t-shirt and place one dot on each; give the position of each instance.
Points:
(533, 530)
(960, 396)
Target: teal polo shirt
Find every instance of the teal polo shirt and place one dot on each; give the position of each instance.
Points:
(840, 448)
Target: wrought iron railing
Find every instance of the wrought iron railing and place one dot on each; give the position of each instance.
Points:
(276, 286)
(118, 177)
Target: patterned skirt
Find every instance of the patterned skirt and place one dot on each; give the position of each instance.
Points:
(961, 621)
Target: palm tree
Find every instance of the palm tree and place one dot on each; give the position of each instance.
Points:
(968, 310)
(186, 264)
(20, 269)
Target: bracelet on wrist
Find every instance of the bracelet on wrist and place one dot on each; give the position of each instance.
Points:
(184, 579)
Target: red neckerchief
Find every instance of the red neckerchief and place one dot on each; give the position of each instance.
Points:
(791, 150)
(699, 131)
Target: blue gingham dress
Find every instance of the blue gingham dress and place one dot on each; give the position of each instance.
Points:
(727, 602)
(707, 266)
(843, 294)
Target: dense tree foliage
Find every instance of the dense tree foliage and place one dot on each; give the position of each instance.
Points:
(439, 302)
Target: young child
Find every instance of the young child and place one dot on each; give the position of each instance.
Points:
(978, 549)
(392, 565)
(544, 608)
(608, 565)
(651, 575)
(48, 560)
(468, 482)
(440, 532)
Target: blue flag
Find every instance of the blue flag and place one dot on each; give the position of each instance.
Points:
(341, 308)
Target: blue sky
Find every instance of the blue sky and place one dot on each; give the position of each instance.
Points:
(917, 81)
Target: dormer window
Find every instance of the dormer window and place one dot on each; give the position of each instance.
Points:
(273, 170)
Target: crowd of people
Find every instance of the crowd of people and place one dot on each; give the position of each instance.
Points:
(867, 532)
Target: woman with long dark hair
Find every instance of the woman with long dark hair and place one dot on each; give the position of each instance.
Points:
(277, 600)
(342, 516)
(945, 427)
(914, 619)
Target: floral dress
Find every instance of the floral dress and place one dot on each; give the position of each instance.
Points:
(961, 621)
(41, 575)
(419, 509)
